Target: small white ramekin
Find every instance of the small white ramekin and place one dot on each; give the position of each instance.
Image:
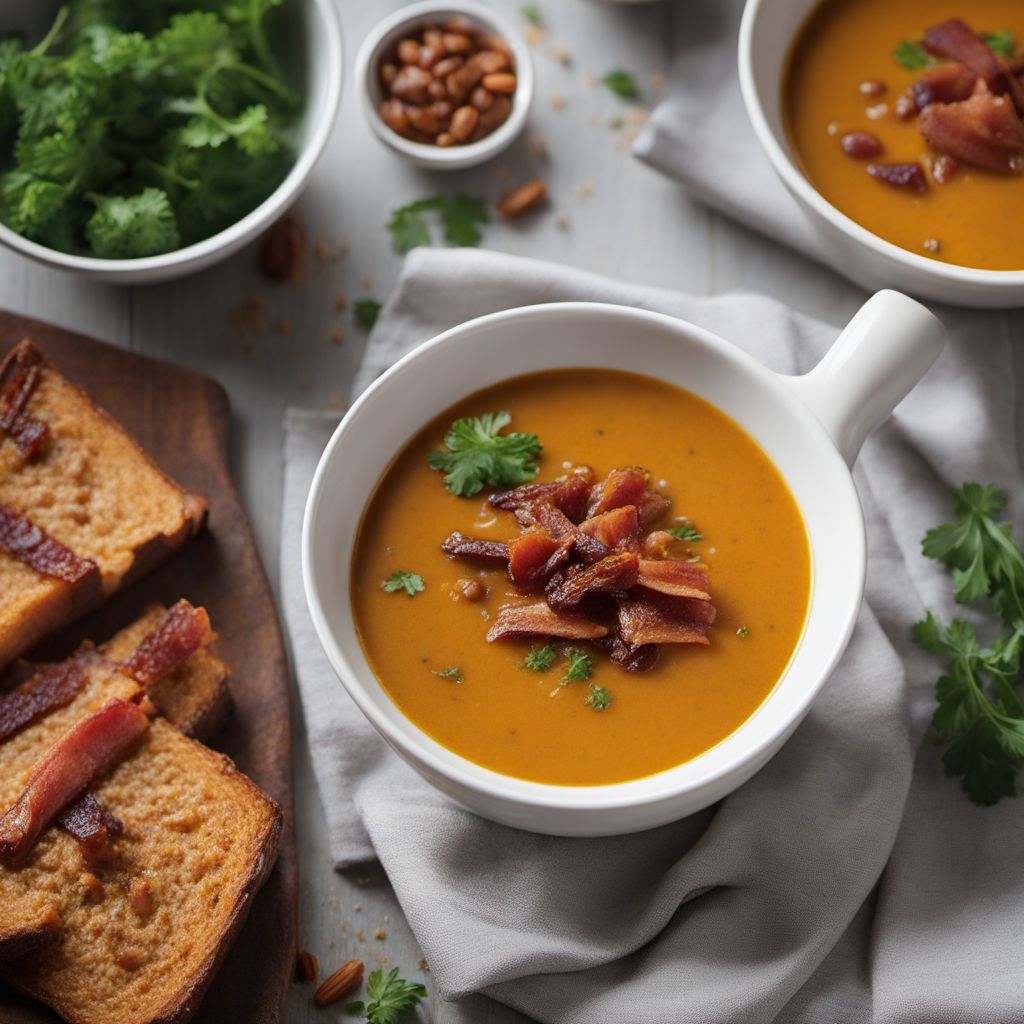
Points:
(321, 35)
(397, 25)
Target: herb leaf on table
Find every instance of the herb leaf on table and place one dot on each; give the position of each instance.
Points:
(461, 216)
(623, 84)
(980, 715)
(389, 998)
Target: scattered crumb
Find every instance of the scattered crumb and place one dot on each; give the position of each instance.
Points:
(538, 147)
(562, 222)
(656, 80)
(584, 190)
(421, 964)
(380, 934)
(340, 302)
(367, 282)
(504, 172)
(336, 402)
(562, 55)
(282, 326)
(932, 244)
(382, 961)
(533, 35)
(251, 316)
(637, 115)
(592, 81)
(879, 110)
(832, 128)
(361, 936)
(323, 251)
(358, 908)
(337, 336)
(557, 102)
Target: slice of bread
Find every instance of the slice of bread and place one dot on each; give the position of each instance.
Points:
(92, 491)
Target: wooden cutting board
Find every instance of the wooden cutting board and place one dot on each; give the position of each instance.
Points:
(181, 418)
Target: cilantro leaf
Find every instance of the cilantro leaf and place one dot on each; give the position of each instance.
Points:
(531, 12)
(581, 667)
(1001, 42)
(623, 84)
(911, 54)
(478, 455)
(125, 227)
(400, 579)
(460, 215)
(599, 699)
(390, 996)
(979, 717)
(407, 226)
(366, 312)
(540, 659)
(686, 532)
(454, 673)
(743, 632)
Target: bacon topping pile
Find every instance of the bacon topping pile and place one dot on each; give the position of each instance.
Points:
(32, 545)
(52, 687)
(18, 378)
(92, 746)
(93, 826)
(596, 572)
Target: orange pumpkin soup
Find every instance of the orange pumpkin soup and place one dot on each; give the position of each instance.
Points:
(906, 116)
(423, 617)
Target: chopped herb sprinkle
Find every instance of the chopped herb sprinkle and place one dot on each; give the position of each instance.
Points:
(581, 667)
(540, 659)
(743, 631)
(410, 582)
(453, 672)
(599, 698)
(686, 532)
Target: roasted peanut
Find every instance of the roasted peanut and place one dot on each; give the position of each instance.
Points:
(490, 61)
(501, 82)
(522, 199)
(464, 121)
(409, 51)
(457, 42)
(411, 83)
(434, 38)
(388, 72)
(460, 83)
(436, 90)
(283, 252)
(481, 98)
(430, 55)
(392, 113)
(447, 66)
(497, 115)
(445, 139)
(423, 119)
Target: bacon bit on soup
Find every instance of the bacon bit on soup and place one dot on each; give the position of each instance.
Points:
(860, 145)
(947, 83)
(540, 619)
(909, 176)
(984, 131)
(582, 544)
(469, 590)
(872, 88)
(957, 41)
(943, 168)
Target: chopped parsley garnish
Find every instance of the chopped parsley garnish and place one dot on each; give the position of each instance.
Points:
(912, 55)
(743, 632)
(623, 84)
(687, 532)
(599, 698)
(478, 455)
(581, 667)
(124, 144)
(453, 672)
(366, 312)
(390, 997)
(402, 580)
(1001, 42)
(540, 659)
(461, 216)
(531, 12)
(979, 720)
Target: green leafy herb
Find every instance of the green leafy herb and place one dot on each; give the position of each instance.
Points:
(623, 84)
(743, 632)
(540, 659)
(402, 580)
(617, 123)
(478, 455)
(1001, 42)
(980, 715)
(366, 312)
(132, 130)
(599, 698)
(687, 532)
(531, 12)
(911, 54)
(581, 667)
(454, 673)
(389, 998)
(461, 216)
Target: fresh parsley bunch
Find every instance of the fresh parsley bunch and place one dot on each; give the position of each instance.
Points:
(139, 126)
(980, 715)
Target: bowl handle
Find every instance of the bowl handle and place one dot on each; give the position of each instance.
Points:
(884, 351)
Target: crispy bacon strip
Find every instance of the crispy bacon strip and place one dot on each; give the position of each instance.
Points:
(628, 487)
(616, 572)
(89, 748)
(534, 556)
(946, 83)
(984, 131)
(650, 618)
(458, 545)
(32, 545)
(93, 826)
(618, 529)
(19, 376)
(52, 687)
(570, 496)
(668, 576)
(955, 39)
(631, 657)
(181, 632)
(539, 619)
(545, 516)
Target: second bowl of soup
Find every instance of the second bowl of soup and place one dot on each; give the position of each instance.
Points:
(585, 567)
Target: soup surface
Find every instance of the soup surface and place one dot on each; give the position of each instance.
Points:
(973, 218)
(531, 724)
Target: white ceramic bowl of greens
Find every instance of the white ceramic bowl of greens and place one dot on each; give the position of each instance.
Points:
(306, 35)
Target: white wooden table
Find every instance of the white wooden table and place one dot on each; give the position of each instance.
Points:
(608, 214)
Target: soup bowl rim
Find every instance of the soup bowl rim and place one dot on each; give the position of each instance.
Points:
(462, 778)
(784, 162)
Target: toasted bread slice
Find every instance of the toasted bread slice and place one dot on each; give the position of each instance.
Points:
(86, 510)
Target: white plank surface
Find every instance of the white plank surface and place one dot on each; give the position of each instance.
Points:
(620, 219)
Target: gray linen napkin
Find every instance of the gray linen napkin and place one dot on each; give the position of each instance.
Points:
(848, 881)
